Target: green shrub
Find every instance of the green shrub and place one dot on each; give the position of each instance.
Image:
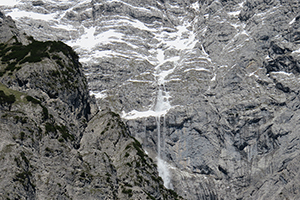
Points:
(50, 128)
(6, 99)
(45, 113)
(22, 176)
(11, 66)
(16, 53)
(55, 57)
(55, 73)
(33, 100)
(60, 63)
(22, 136)
(48, 149)
(23, 120)
(59, 46)
(129, 164)
(65, 133)
(128, 192)
(173, 193)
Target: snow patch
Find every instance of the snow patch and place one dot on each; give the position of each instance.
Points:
(183, 39)
(67, 27)
(197, 69)
(196, 6)
(293, 20)
(296, 51)
(99, 95)
(134, 114)
(15, 14)
(160, 56)
(253, 73)
(128, 21)
(213, 78)
(161, 108)
(234, 13)
(9, 2)
(89, 40)
(242, 4)
(282, 73)
(139, 81)
(268, 58)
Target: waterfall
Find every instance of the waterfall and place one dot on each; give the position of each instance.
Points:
(162, 104)
(158, 136)
(166, 65)
(162, 166)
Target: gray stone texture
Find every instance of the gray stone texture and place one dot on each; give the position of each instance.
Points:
(233, 131)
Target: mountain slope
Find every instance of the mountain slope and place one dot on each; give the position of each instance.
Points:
(55, 143)
(210, 88)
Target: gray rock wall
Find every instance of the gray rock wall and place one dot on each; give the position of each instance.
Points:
(228, 70)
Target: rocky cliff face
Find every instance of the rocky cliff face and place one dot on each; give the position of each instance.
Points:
(55, 143)
(210, 88)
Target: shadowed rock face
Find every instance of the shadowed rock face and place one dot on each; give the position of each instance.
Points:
(228, 72)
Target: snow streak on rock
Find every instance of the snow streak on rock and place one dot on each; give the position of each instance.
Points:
(9, 3)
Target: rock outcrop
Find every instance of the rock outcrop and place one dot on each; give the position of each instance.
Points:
(55, 143)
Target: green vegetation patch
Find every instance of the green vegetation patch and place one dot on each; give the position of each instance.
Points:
(14, 55)
(137, 145)
(65, 133)
(24, 177)
(33, 100)
(58, 46)
(50, 128)
(17, 54)
(6, 99)
(45, 112)
(15, 93)
(54, 128)
(22, 136)
(21, 177)
(128, 192)
(21, 119)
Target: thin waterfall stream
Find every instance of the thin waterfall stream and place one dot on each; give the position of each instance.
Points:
(162, 103)
(182, 40)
